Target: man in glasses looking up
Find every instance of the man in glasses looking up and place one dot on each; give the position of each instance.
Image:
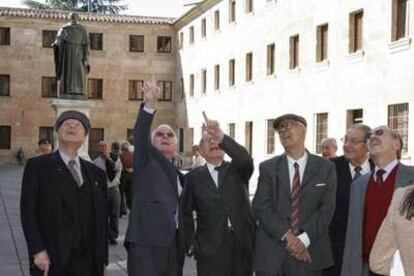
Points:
(155, 223)
(294, 204)
(354, 163)
(370, 197)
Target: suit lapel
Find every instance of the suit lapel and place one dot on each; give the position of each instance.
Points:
(310, 170)
(282, 173)
(65, 183)
(223, 174)
(167, 167)
(404, 176)
(206, 177)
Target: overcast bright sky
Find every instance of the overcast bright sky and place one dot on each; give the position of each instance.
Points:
(170, 8)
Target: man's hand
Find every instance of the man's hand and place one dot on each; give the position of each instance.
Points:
(296, 248)
(212, 127)
(151, 92)
(41, 261)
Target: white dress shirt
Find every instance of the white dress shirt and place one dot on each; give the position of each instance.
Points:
(388, 168)
(365, 168)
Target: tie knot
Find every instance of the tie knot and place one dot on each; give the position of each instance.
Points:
(380, 173)
(72, 163)
(358, 169)
(296, 165)
(218, 168)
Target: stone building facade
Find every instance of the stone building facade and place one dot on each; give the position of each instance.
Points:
(242, 61)
(124, 51)
(246, 62)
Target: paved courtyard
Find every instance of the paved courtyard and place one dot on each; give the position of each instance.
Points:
(13, 251)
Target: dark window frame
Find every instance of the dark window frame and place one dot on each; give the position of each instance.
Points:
(136, 39)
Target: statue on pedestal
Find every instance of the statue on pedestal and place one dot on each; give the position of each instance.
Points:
(71, 59)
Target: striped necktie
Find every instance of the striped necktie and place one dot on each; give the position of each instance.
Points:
(74, 173)
(294, 217)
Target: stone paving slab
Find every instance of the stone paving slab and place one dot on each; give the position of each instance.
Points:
(13, 251)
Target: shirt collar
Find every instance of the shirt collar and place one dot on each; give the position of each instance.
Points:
(388, 168)
(366, 167)
(66, 158)
(211, 167)
(301, 161)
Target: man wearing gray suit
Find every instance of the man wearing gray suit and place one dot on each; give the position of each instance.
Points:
(370, 198)
(294, 204)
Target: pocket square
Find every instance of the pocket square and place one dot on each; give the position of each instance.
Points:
(320, 184)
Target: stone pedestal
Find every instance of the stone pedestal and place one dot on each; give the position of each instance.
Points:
(62, 105)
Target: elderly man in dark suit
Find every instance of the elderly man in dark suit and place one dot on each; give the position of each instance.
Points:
(354, 163)
(63, 206)
(371, 196)
(153, 237)
(219, 194)
(294, 204)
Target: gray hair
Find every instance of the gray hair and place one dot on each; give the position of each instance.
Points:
(366, 129)
(329, 140)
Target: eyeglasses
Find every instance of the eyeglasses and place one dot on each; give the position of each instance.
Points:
(352, 141)
(287, 126)
(377, 132)
(164, 134)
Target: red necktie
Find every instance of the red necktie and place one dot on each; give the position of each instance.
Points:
(294, 217)
(379, 174)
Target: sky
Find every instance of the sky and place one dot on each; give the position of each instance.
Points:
(168, 8)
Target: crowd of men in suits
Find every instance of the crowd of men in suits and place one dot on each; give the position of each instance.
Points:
(309, 216)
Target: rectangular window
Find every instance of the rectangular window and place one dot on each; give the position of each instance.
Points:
(248, 6)
(355, 31)
(249, 67)
(321, 130)
(48, 37)
(164, 44)
(46, 133)
(270, 137)
(191, 85)
(217, 20)
(232, 11)
(354, 116)
(135, 90)
(5, 137)
(203, 28)
(4, 36)
(49, 87)
(181, 40)
(136, 43)
(95, 89)
(322, 42)
(166, 90)
(399, 19)
(4, 85)
(294, 52)
(96, 41)
(203, 81)
(232, 72)
(249, 137)
(217, 77)
(398, 120)
(232, 130)
(181, 143)
(182, 88)
(270, 59)
(95, 136)
(192, 35)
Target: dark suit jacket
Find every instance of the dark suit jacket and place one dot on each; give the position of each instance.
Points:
(272, 207)
(47, 210)
(154, 192)
(214, 205)
(337, 228)
(352, 260)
